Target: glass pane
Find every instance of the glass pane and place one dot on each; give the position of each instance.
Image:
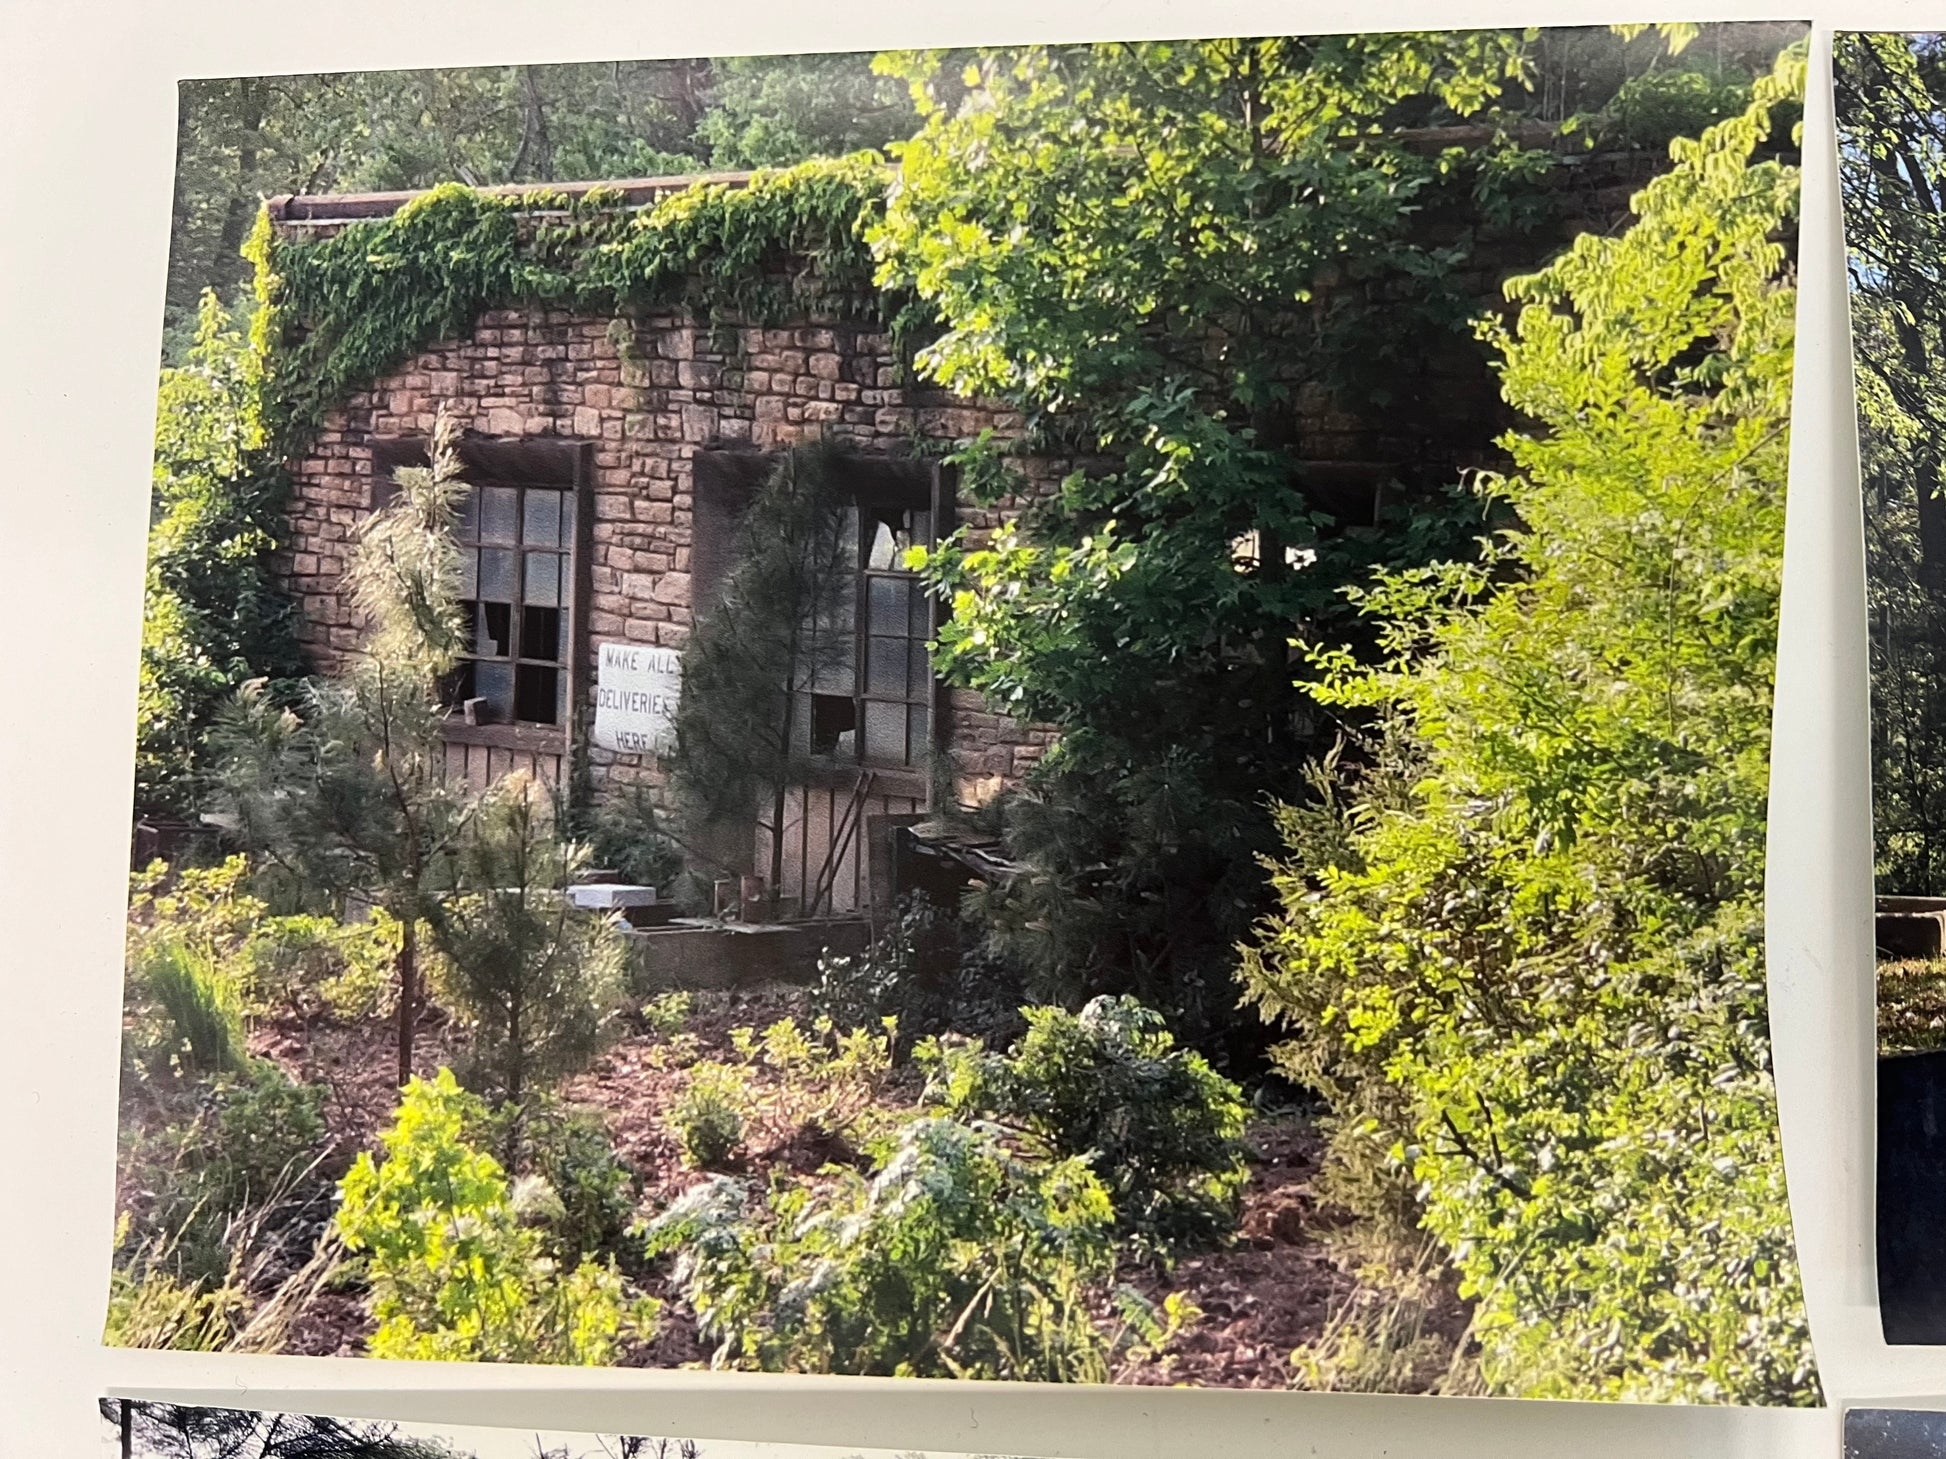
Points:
(497, 574)
(886, 672)
(469, 617)
(920, 625)
(885, 547)
(567, 518)
(884, 733)
(918, 684)
(828, 666)
(922, 528)
(493, 637)
(918, 720)
(540, 633)
(885, 600)
(469, 573)
(537, 694)
(495, 684)
(469, 514)
(543, 579)
(497, 514)
(540, 524)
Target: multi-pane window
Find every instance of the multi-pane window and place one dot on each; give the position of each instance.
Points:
(516, 586)
(869, 699)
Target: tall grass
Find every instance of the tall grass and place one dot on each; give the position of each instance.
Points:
(202, 1002)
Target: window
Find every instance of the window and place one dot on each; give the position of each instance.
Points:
(870, 696)
(516, 585)
(516, 536)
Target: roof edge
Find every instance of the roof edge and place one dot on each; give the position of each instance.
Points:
(300, 209)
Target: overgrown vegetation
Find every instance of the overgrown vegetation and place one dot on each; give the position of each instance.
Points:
(1520, 950)
(1477, 823)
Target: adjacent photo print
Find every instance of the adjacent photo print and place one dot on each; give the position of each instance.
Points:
(1891, 107)
(1091, 714)
(137, 1429)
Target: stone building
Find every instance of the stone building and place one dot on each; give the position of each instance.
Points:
(609, 459)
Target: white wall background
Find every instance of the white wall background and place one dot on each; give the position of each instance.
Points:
(87, 131)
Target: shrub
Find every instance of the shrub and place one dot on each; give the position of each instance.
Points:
(1161, 1128)
(1524, 959)
(929, 970)
(306, 962)
(954, 1259)
(535, 978)
(199, 1000)
(628, 837)
(668, 1014)
(248, 1155)
(708, 1116)
(454, 1273)
(592, 1191)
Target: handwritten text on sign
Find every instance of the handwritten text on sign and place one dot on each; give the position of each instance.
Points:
(636, 692)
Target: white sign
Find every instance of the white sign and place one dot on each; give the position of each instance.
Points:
(637, 689)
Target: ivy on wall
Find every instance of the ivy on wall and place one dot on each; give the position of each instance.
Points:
(334, 314)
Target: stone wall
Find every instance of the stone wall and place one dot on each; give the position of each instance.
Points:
(649, 395)
(651, 392)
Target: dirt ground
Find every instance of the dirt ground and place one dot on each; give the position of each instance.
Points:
(1272, 1290)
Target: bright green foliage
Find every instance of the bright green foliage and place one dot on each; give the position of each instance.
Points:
(212, 615)
(455, 1274)
(1890, 90)
(708, 1116)
(956, 1259)
(1162, 1129)
(535, 979)
(1525, 952)
(1156, 251)
(201, 1003)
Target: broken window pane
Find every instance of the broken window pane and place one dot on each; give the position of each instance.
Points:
(834, 718)
(540, 633)
(537, 691)
(494, 636)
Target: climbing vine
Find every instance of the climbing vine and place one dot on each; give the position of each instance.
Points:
(336, 313)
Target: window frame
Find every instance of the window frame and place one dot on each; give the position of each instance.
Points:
(552, 464)
(724, 481)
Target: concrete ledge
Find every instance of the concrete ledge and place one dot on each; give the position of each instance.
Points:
(733, 955)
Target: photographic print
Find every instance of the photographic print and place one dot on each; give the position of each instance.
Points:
(1092, 714)
(1893, 160)
(1895, 1433)
(138, 1429)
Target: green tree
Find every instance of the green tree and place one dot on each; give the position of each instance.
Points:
(349, 791)
(1522, 956)
(535, 977)
(781, 620)
(1893, 159)
(1170, 256)
(772, 111)
(213, 615)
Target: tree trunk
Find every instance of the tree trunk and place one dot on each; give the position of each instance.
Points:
(408, 966)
